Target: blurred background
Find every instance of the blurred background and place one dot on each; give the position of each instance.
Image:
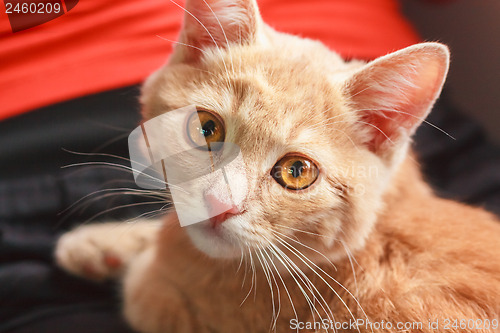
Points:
(472, 30)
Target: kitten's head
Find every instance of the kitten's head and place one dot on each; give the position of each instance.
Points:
(320, 137)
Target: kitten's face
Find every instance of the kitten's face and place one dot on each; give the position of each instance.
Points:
(312, 164)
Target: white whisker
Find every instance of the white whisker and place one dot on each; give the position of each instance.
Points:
(307, 284)
(330, 277)
(265, 269)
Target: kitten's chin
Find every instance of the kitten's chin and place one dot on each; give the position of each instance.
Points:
(213, 242)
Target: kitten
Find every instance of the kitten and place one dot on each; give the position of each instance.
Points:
(348, 234)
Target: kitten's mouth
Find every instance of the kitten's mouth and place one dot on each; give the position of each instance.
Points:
(221, 218)
(217, 239)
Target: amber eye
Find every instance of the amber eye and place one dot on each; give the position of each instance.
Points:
(295, 172)
(204, 128)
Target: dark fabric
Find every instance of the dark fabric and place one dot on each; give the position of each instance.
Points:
(464, 168)
(35, 296)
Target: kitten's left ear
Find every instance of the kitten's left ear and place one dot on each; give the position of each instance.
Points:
(394, 94)
(215, 23)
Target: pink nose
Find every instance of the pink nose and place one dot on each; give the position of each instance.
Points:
(219, 211)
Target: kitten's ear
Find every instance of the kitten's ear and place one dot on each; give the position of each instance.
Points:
(215, 23)
(394, 93)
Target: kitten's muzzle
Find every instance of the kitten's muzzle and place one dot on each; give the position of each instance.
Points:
(228, 210)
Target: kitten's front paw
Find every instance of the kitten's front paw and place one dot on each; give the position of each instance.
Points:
(101, 251)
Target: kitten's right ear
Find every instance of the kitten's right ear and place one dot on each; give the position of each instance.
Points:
(215, 23)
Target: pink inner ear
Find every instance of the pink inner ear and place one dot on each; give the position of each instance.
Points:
(399, 117)
(215, 23)
(395, 93)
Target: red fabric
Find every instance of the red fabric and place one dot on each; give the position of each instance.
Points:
(101, 45)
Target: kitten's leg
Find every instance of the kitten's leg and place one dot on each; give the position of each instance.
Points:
(152, 303)
(102, 251)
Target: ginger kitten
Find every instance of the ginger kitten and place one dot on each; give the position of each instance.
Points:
(336, 230)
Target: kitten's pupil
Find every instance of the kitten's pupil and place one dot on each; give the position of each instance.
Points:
(296, 169)
(208, 128)
(205, 128)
